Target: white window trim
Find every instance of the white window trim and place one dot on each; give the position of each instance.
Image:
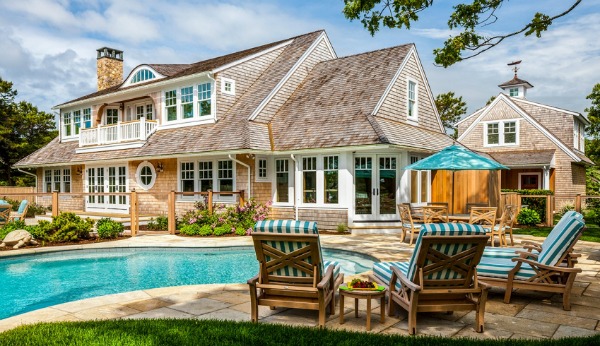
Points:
(138, 176)
(415, 116)
(501, 132)
(228, 80)
(578, 135)
(320, 191)
(105, 116)
(62, 180)
(419, 185)
(540, 183)
(514, 88)
(291, 182)
(196, 118)
(215, 167)
(257, 177)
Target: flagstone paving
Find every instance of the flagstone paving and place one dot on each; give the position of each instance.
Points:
(530, 315)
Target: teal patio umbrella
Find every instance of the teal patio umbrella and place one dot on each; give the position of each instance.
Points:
(456, 158)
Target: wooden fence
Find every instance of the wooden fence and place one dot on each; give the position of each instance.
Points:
(517, 199)
(18, 193)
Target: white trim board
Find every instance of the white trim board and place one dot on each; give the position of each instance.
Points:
(525, 116)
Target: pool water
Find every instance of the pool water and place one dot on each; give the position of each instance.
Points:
(36, 281)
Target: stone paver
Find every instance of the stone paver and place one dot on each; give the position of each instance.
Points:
(530, 315)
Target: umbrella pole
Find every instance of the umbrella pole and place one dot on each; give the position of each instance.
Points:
(452, 193)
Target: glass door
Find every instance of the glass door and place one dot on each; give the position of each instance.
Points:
(363, 188)
(387, 187)
(375, 186)
(106, 179)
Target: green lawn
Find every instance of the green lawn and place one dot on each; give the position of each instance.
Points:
(592, 232)
(195, 332)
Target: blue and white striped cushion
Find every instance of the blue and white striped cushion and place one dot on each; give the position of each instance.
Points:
(500, 267)
(383, 270)
(336, 267)
(555, 233)
(562, 239)
(502, 252)
(443, 229)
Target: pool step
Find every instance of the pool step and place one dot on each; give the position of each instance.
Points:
(384, 229)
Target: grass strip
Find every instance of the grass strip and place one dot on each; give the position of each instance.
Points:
(214, 332)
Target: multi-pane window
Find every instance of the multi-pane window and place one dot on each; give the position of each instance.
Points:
(57, 180)
(309, 179)
(144, 110)
(87, 118)
(330, 171)
(187, 102)
(142, 75)
(67, 124)
(513, 92)
(419, 184)
(282, 176)
(204, 98)
(187, 176)
(205, 175)
(412, 99)
(228, 86)
(510, 132)
(225, 175)
(261, 169)
(112, 116)
(504, 132)
(493, 135)
(171, 105)
(77, 120)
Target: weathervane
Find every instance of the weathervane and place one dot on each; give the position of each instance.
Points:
(515, 68)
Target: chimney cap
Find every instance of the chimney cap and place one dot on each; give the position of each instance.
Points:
(106, 52)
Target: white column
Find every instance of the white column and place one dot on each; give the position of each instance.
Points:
(546, 179)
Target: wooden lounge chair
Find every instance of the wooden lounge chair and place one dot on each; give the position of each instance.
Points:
(292, 272)
(441, 274)
(21, 212)
(4, 213)
(435, 213)
(547, 267)
(408, 225)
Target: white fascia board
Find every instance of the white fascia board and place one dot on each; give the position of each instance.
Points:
(140, 67)
(250, 57)
(288, 75)
(134, 90)
(527, 117)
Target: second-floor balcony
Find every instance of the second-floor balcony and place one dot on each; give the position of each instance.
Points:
(130, 131)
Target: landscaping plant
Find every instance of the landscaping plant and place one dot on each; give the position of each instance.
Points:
(108, 228)
(160, 224)
(11, 226)
(65, 227)
(528, 217)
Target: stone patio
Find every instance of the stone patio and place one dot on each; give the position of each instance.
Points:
(529, 315)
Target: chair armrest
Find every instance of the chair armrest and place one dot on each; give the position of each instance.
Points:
(483, 285)
(253, 280)
(543, 266)
(405, 281)
(525, 254)
(531, 244)
(326, 278)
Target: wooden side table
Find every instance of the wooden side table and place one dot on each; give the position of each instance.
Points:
(368, 295)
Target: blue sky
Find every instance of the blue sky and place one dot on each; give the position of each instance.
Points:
(49, 46)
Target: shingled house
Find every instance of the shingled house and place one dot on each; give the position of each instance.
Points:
(324, 138)
(542, 145)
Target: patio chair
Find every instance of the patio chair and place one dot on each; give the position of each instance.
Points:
(504, 225)
(292, 272)
(546, 267)
(435, 213)
(4, 213)
(21, 212)
(408, 225)
(441, 274)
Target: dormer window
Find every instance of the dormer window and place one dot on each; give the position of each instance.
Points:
(228, 86)
(412, 95)
(189, 104)
(514, 92)
(142, 75)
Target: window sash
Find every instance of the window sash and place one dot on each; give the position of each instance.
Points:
(171, 105)
(510, 132)
(204, 99)
(87, 118)
(67, 124)
(112, 116)
(187, 105)
(331, 179)
(493, 135)
(282, 180)
(412, 98)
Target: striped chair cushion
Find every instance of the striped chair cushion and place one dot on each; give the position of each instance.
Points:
(442, 229)
(22, 206)
(383, 270)
(555, 233)
(561, 240)
(501, 252)
(298, 227)
(500, 267)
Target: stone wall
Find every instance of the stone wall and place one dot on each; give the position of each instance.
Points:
(110, 72)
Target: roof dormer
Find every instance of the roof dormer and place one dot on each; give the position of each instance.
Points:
(141, 74)
(516, 87)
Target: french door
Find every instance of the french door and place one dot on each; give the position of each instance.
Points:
(375, 186)
(112, 179)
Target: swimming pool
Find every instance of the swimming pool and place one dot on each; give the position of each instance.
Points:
(33, 282)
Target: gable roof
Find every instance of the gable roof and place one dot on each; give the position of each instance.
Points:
(515, 82)
(511, 102)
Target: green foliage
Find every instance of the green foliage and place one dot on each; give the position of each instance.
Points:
(241, 231)
(11, 226)
(450, 108)
(160, 224)
(528, 217)
(342, 228)
(108, 228)
(563, 209)
(467, 20)
(223, 229)
(66, 227)
(534, 203)
(23, 130)
(593, 112)
(33, 210)
(193, 229)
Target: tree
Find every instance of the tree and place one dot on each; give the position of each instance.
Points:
(592, 144)
(23, 130)
(450, 108)
(468, 18)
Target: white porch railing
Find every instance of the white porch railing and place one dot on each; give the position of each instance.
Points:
(138, 130)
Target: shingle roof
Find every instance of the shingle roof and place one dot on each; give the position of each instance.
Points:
(515, 81)
(524, 158)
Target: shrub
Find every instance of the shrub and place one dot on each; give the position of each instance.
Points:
(108, 228)
(11, 226)
(160, 224)
(564, 207)
(534, 203)
(222, 230)
(342, 227)
(206, 230)
(70, 227)
(528, 217)
(192, 229)
(241, 231)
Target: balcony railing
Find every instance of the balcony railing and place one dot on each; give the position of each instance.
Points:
(138, 130)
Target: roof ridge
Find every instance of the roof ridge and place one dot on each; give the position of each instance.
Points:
(543, 105)
(372, 51)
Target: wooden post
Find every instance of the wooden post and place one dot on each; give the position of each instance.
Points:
(578, 203)
(55, 203)
(171, 215)
(210, 202)
(133, 210)
(242, 202)
(549, 211)
(518, 203)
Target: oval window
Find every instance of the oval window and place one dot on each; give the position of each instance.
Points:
(146, 175)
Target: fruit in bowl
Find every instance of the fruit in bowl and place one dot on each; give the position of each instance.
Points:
(360, 284)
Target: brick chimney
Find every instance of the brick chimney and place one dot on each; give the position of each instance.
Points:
(109, 67)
